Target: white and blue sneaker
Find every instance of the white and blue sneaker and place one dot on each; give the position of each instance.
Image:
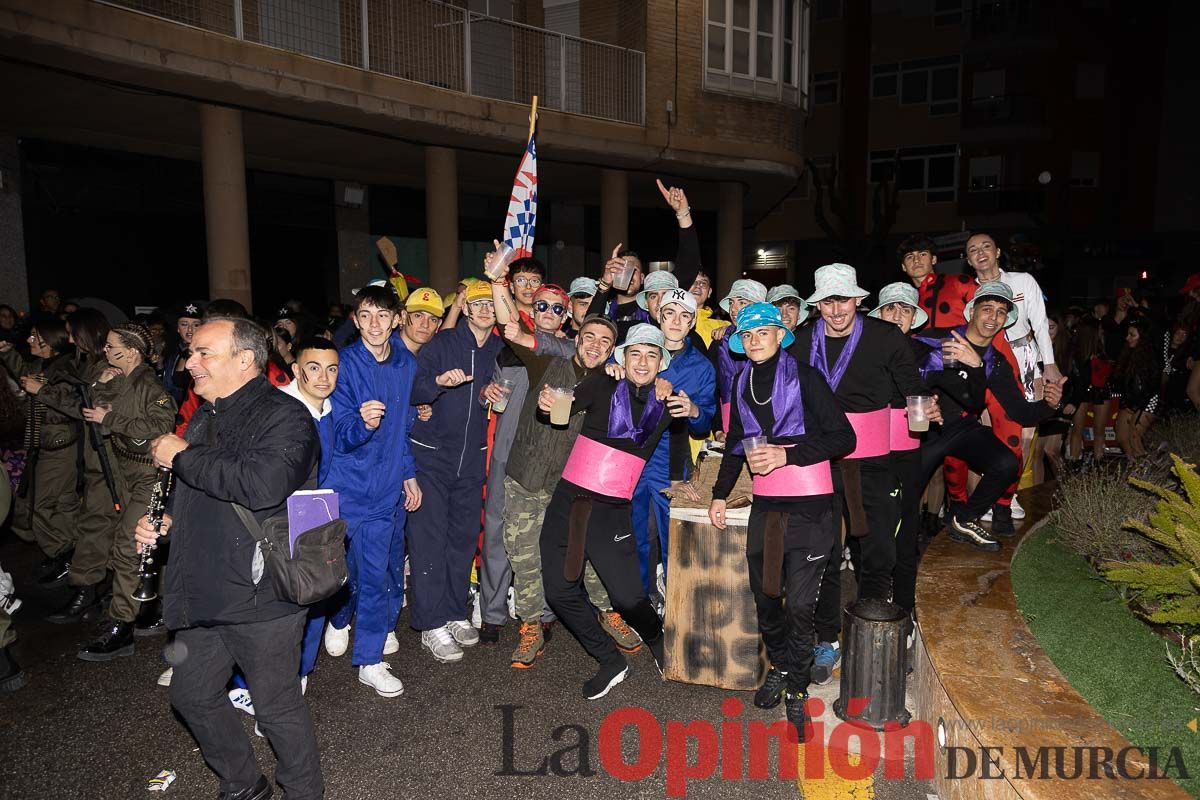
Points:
(241, 700)
(826, 657)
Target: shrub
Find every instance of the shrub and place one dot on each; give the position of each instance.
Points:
(1179, 434)
(1091, 508)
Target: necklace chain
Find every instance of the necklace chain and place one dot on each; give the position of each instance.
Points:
(756, 401)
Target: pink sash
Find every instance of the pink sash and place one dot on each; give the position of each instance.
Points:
(793, 481)
(902, 438)
(603, 469)
(725, 416)
(873, 430)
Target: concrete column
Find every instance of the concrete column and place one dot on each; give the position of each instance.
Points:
(614, 210)
(357, 261)
(729, 237)
(14, 276)
(441, 217)
(226, 227)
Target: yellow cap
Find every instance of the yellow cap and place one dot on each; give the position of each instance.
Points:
(425, 300)
(478, 291)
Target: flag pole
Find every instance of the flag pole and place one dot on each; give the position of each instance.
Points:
(532, 118)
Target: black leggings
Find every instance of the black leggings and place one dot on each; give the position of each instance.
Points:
(612, 549)
(907, 465)
(968, 440)
(788, 628)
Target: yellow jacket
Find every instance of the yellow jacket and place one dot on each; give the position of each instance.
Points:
(705, 324)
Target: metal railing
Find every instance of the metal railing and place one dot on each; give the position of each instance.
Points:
(434, 43)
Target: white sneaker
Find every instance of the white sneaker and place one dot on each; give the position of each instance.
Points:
(380, 678)
(241, 700)
(477, 610)
(440, 642)
(512, 603)
(10, 603)
(1017, 511)
(303, 684)
(463, 632)
(257, 732)
(336, 640)
(165, 678)
(987, 515)
(391, 644)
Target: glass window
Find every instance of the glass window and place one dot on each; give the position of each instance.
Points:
(914, 87)
(741, 52)
(716, 47)
(754, 48)
(825, 88)
(741, 13)
(941, 172)
(884, 80)
(912, 174)
(764, 57)
(765, 18)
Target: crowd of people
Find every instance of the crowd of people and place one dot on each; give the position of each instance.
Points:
(510, 450)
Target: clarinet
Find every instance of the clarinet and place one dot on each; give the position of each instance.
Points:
(147, 569)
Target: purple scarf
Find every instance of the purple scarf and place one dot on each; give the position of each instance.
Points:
(620, 416)
(933, 361)
(816, 355)
(786, 402)
(728, 370)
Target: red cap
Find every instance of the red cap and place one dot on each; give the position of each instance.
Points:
(556, 289)
(1192, 284)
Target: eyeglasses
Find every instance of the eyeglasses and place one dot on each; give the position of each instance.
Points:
(527, 282)
(541, 306)
(488, 304)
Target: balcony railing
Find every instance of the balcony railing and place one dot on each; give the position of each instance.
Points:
(436, 44)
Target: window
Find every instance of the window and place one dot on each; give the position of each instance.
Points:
(932, 169)
(933, 81)
(758, 48)
(829, 9)
(884, 80)
(947, 12)
(1085, 170)
(825, 88)
(985, 173)
(1089, 81)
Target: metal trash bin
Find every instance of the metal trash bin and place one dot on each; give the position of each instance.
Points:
(874, 634)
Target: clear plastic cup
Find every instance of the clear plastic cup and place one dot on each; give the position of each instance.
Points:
(623, 278)
(506, 390)
(752, 443)
(919, 406)
(947, 361)
(498, 266)
(560, 412)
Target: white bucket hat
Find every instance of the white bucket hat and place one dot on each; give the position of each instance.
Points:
(656, 282)
(747, 289)
(836, 280)
(901, 292)
(643, 333)
(582, 286)
(785, 291)
(996, 290)
(680, 297)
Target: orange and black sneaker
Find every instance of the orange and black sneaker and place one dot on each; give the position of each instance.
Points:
(626, 638)
(530, 646)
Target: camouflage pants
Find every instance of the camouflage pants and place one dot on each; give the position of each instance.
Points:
(523, 514)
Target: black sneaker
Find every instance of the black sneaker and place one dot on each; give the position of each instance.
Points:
(11, 676)
(770, 693)
(547, 630)
(261, 790)
(1002, 521)
(155, 628)
(115, 641)
(796, 714)
(656, 651)
(489, 633)
(970, 532)
(607, 677)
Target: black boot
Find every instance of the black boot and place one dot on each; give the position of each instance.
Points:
(1002, 521)
(116, 640)
(771, 692)
(796, 714)
(656, 650)
(84, 599)
(53, 570)
(11, 676)
(261, 790)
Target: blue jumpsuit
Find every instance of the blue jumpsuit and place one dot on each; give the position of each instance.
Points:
(368, 471)
(690, 371)
(450, 449)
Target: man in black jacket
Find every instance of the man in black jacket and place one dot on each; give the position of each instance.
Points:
(252, 445)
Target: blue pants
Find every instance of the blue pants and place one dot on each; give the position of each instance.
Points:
(443, 535)
(375, 563)
(648, 499)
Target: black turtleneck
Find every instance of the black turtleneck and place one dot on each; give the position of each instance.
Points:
(827, 432)
(594, 395)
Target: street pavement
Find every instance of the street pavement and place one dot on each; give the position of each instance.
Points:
(86, 730)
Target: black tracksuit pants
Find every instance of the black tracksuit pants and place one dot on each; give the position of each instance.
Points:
(907, 465)
(873, 555)
(787, 628)
(611, 547)
(966, 439)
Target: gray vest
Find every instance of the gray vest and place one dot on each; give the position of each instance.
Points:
(539, 452)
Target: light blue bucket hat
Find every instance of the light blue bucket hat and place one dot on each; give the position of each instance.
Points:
(901, 292)
(747, 289)
(759, 315)
(656, 282)
(643, 333)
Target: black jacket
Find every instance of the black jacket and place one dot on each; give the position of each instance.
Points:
(254, 447)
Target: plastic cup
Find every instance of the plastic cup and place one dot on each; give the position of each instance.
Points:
(623, 278)
(752, 443)
(947, 361)
(918, 412)
(499, 263)
(506, 390)
(560, 412)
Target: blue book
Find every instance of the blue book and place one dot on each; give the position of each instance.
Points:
(308, 509)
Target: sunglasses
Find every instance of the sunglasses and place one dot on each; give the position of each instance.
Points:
(541, 306)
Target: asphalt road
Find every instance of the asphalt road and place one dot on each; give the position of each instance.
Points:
(85, 730)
